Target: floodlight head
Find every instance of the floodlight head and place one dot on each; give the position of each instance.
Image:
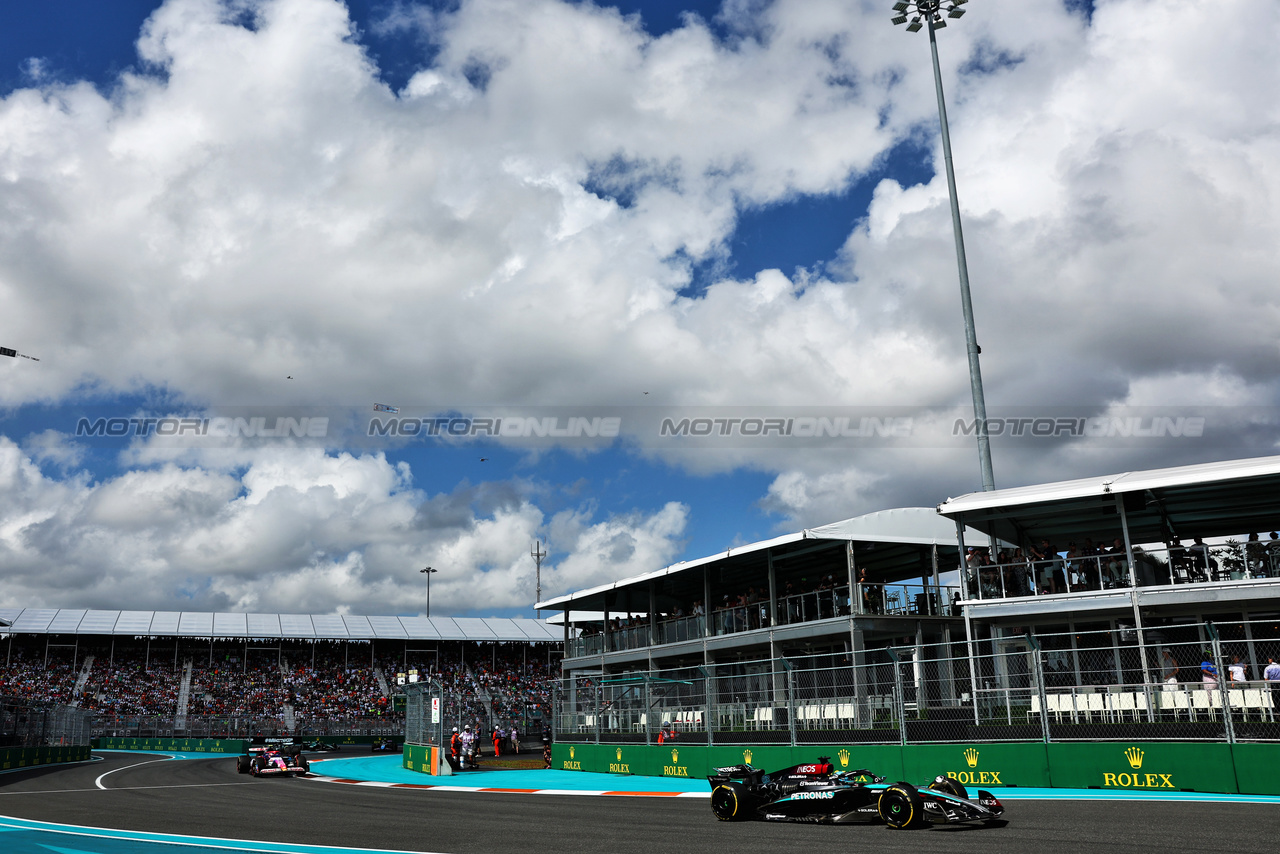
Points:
(901, 19)
(958, 2)
(939, 24)
(955, 13)
(915, 26)
(901, 7)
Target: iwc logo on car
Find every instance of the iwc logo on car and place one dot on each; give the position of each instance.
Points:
(572, 764)
(619, 767)
(1126, 780)
(675, 769)
(975, 777)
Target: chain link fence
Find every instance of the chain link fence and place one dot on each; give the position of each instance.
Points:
(238, 726)
(1193, 682)
(27, 724)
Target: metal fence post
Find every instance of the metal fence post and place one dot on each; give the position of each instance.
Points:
(789, 670)
(1223, 694)
(898, 707)
(707, 690)
(1037, 673)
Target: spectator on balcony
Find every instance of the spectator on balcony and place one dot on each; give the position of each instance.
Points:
(1255, 557)
(1201, 560)
(1118, 564)
(1208, 672)
(1236, 670)
(1168, 667)
(1047, 567)
(872, 594)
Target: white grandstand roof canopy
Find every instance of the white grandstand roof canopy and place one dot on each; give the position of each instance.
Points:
(1206, 499)
(205, 624)
(904, 525)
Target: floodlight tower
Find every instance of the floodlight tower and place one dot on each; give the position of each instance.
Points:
(428, 572)
(917, 14)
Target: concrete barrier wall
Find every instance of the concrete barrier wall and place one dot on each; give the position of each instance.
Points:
(1137, 766)
(422, 758)
(26, 757)
(177, 745)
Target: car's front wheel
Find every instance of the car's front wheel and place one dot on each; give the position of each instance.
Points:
(730, 802)
(901, 807)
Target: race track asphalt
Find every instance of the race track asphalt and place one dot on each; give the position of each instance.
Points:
(206, 797)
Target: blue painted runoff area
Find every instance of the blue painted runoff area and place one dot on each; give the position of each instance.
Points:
(390, 769)
(20, 836)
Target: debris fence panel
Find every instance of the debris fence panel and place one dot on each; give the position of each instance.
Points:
(24, 723)
(1190, 682)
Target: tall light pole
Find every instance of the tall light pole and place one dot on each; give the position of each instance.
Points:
(428, 572)
(917, 14)
(537, 553)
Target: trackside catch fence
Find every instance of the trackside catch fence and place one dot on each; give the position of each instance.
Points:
(1199, 682)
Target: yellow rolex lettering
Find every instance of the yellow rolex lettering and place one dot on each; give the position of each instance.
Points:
(1165, 781)
(1108, 779)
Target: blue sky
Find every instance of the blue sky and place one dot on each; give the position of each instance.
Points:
(649, 211)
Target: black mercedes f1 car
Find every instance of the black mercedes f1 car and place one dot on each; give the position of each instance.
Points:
(816, 793)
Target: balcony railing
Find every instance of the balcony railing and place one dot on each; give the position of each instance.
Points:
(1111, 571)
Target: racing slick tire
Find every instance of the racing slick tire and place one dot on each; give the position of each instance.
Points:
(242, 764)
(950, 786)
(901, 807)
(730, 802)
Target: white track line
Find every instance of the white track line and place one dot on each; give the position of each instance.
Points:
(98, 782)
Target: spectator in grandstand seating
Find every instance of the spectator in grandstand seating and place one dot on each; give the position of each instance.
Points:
(1236, 670)
(546, 752)
(1272, 675)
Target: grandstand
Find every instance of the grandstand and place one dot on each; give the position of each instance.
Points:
(197, 674)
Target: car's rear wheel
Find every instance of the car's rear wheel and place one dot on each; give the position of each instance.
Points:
(950, 786)
(900, 806)
(242, 765)
(729, 801)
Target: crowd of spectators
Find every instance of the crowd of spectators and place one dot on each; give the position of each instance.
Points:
(1046, 568)
(486, 684)
(28, 676)
(128, 685)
